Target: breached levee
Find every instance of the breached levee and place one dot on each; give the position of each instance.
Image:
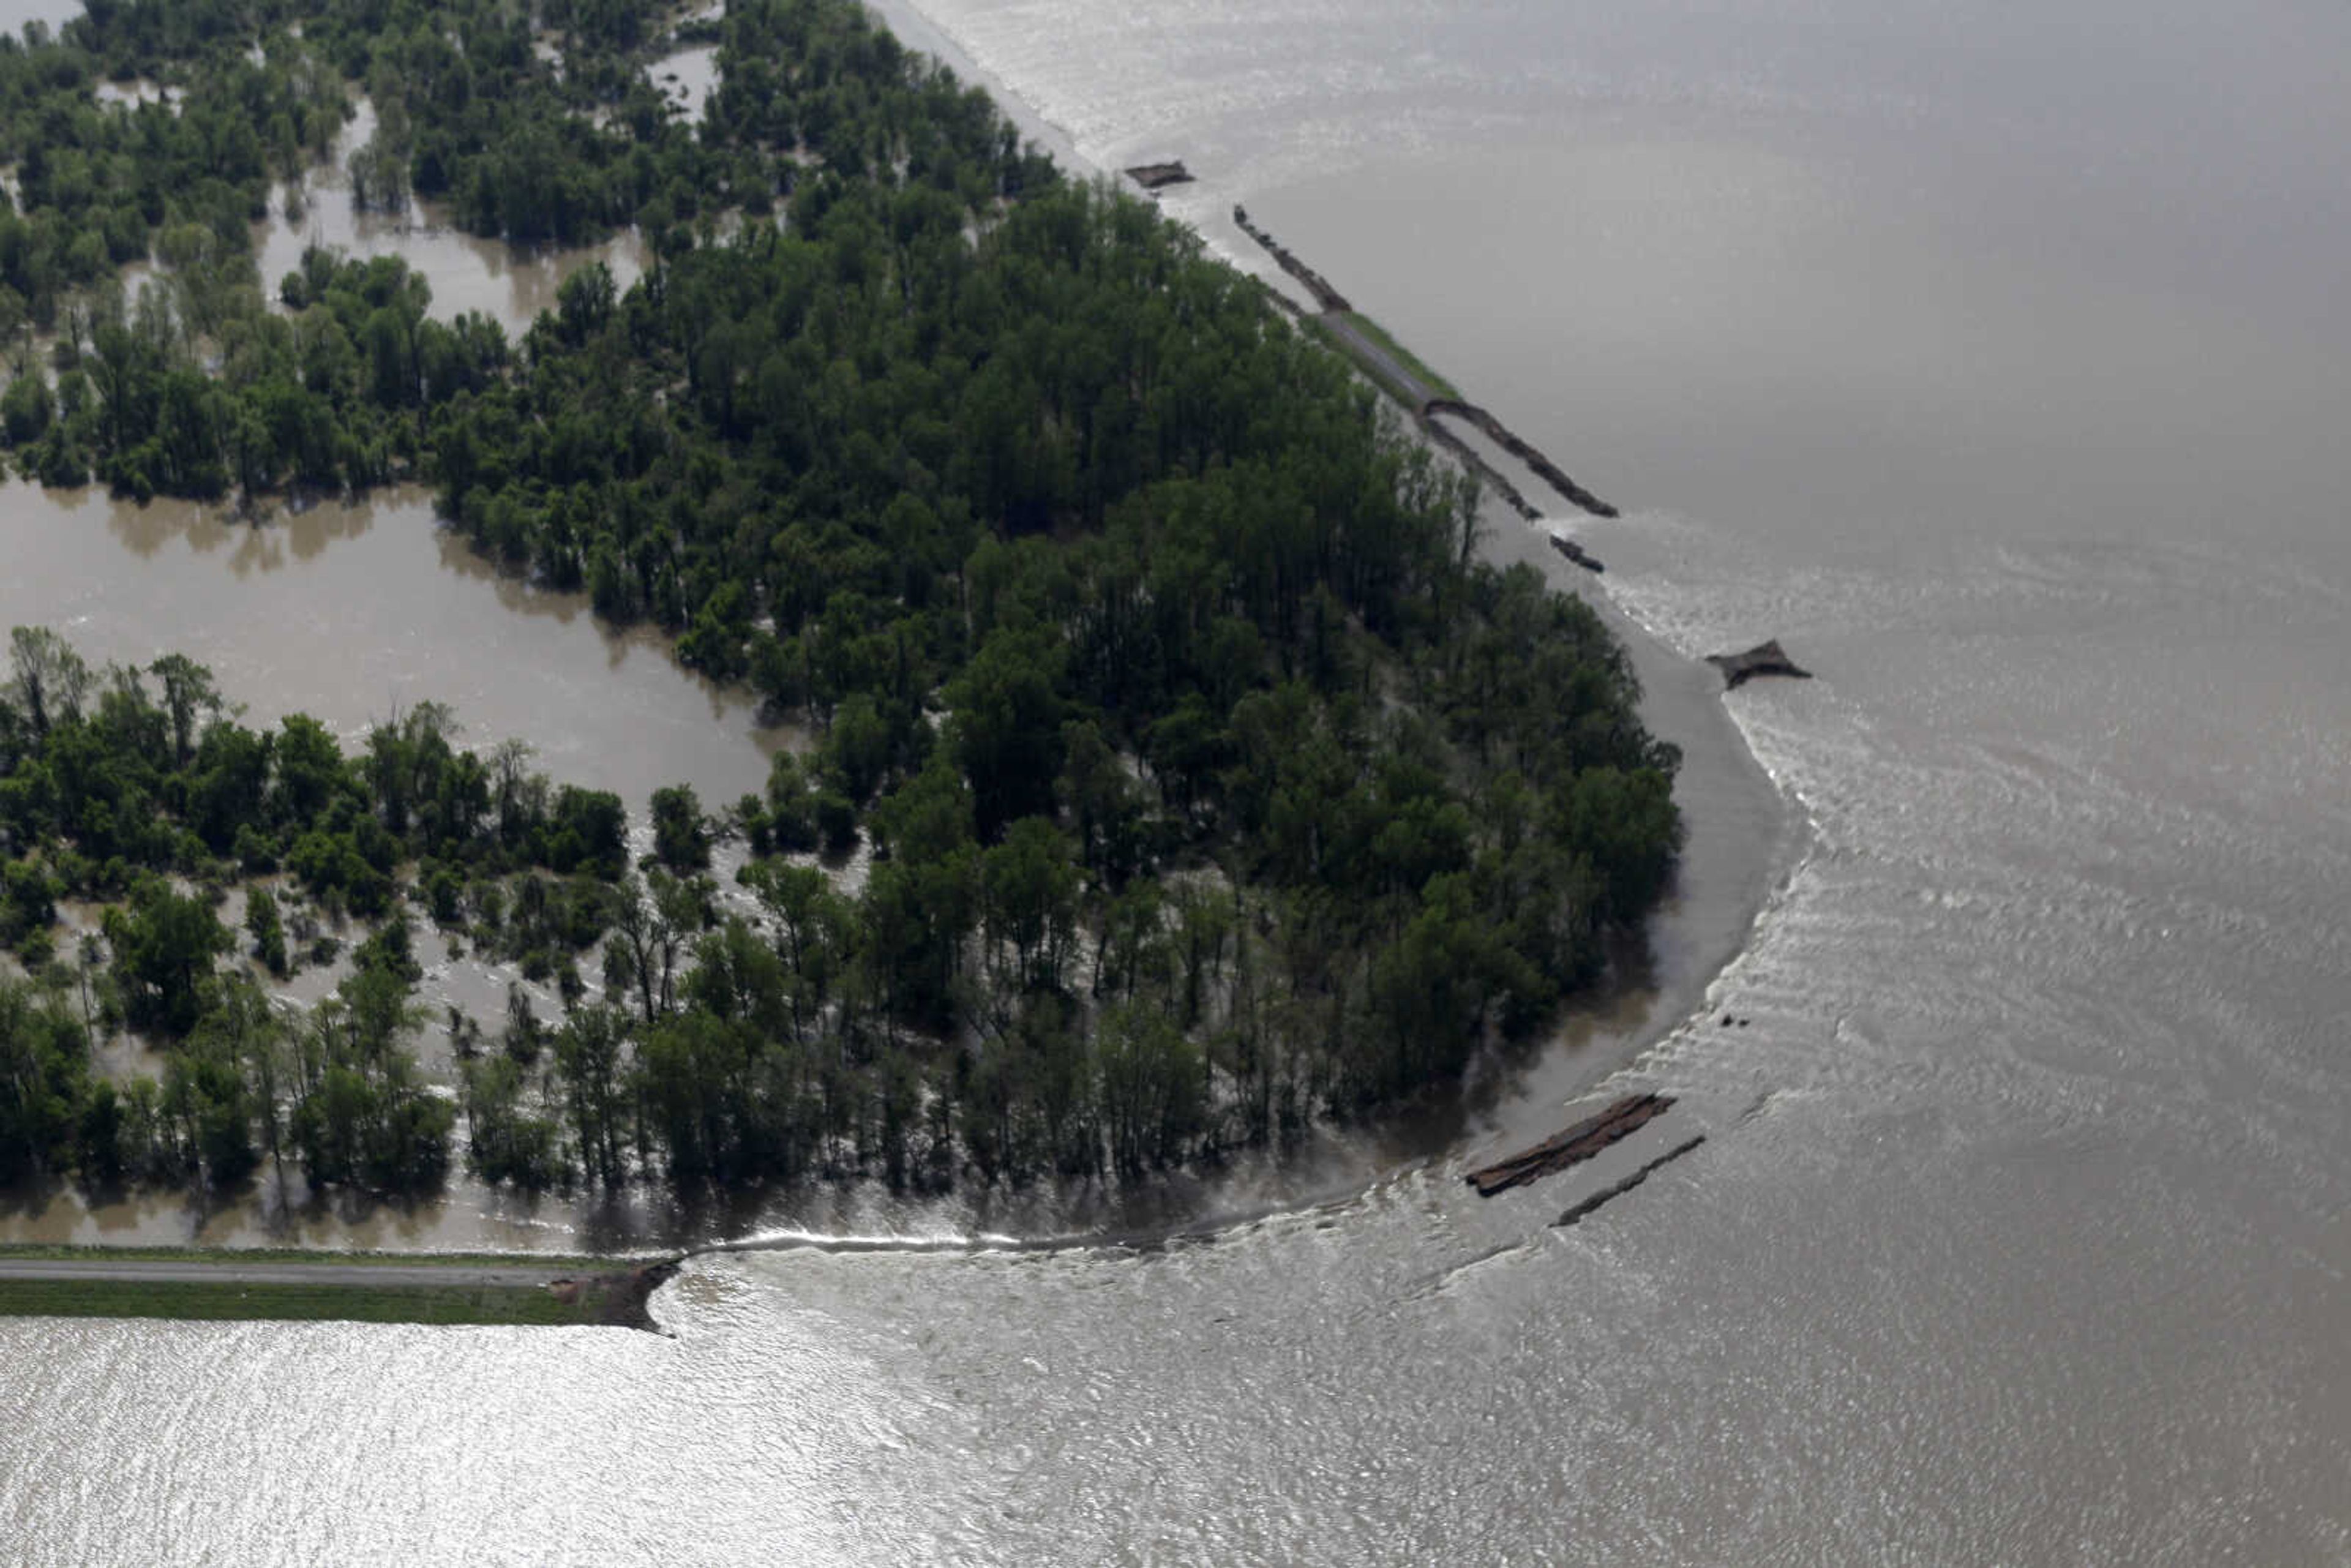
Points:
(1423, 404)
(1550, 473)
(619, 1299)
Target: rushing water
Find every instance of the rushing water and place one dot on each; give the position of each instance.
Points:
(1992, 358)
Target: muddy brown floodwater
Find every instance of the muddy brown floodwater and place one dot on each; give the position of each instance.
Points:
(1994, 358)
(508, 285)
(353, 609)
(686, 77)
(350, 612)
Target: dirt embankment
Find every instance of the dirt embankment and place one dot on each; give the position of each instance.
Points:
(1328, 297)
(1615, 1190)
(1571, 1146)
(1550, 473)
(1402, 382)
(618, 1300)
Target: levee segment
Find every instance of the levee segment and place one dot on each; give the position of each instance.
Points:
(1408, 384)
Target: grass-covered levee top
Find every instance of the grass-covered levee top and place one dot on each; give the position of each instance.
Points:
(1212, 785)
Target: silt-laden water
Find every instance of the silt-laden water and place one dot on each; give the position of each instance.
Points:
(1994, 359)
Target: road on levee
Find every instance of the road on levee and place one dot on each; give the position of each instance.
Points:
(175, 1271)
(1360, 344)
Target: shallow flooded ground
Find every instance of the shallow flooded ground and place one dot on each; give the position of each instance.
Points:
(507, 285)
(352, 611)
(686, 77)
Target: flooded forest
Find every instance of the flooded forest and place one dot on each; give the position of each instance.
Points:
(606, 599)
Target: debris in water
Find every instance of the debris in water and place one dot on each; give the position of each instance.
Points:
(1763, 659)
(1572, 1145)
(1157, 176)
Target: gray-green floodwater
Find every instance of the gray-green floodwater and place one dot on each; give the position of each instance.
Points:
(1994, 359)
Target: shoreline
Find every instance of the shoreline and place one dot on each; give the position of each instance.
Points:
(1694, 938)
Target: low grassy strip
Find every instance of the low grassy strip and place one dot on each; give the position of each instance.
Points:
(1404, 356)
(228, 1301)
(553, 1262)
(1321, 326)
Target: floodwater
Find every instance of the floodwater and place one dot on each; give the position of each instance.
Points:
(687, 79)
(351, 612)
(510, 286)
(14, 15)
(1994, 359)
